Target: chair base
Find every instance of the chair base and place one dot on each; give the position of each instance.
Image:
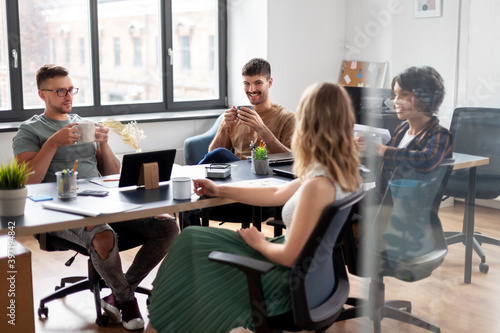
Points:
(377, 308)
(453, 237)
(395, 309)
(80, 283)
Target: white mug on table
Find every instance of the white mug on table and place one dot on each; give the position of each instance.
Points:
(181, 188)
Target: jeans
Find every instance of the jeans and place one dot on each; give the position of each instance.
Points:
(158, 235)
(219, 155)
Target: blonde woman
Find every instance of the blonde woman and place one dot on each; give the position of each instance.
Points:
(192, 294)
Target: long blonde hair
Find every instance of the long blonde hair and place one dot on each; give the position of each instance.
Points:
(324, 135)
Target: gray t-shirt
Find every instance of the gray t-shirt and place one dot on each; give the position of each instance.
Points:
(34, 132)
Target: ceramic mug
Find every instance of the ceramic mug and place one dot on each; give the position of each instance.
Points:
(181, 188)
(86, 129)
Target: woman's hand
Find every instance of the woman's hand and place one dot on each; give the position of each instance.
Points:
(205, 187)
(360, 143)
(252, 236)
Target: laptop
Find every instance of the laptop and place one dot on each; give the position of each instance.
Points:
(131, 165)
(280, 158)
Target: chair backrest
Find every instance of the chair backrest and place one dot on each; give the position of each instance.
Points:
(318, 281)
(476, 131)
(408, 239)
(196, 147)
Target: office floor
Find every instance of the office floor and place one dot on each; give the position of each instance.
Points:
(442, 298)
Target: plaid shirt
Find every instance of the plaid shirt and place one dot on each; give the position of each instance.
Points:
(424, 153)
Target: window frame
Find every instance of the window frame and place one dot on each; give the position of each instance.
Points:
(19, 113)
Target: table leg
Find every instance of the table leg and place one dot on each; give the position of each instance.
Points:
(470, 202)
(257, 217)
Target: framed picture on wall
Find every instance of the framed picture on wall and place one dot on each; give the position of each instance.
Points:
(427, 8)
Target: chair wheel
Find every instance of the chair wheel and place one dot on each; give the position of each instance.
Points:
(102, 321)
(57, 288)
(484, 267)
(43, 312)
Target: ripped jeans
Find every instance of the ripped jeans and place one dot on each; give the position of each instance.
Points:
(156, 237)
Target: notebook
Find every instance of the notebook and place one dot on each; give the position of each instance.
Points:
(90, 206)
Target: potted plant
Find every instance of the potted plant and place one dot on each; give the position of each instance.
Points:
(260, 161)
(13, 190)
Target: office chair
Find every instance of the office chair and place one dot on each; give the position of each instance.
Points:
(318, 281)
(404, 241)
(196, 147)
(92, 282)
(476, 131)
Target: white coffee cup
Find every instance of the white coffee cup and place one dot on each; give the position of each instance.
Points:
(86, 129)
(181, 188)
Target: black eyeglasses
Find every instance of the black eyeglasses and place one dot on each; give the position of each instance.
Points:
(63, 92)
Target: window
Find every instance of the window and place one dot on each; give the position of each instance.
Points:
(186, 54)
(67, 54)
(118, 52)
(211, 51)
(192, 26)
(4, 62)
(137, 52)
(81, 43)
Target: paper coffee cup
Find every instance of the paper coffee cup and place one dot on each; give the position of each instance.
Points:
(181, 188)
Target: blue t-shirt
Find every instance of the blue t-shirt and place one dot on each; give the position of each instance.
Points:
(34, 132)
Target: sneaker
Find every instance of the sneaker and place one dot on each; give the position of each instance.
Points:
(111, 308)
(131, 316)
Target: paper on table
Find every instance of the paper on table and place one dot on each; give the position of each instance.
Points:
(90, 206)
(382, 133)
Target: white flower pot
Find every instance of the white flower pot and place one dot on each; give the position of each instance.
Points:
(12, 202)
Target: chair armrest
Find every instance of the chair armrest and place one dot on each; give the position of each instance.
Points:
(242, 263)
(253, 269)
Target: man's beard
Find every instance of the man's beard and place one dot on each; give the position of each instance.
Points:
(260, 98)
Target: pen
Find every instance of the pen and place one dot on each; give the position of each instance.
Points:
(110, 180)
(72, 174)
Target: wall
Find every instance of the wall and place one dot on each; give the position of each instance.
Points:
(480, 68)
(304, 45)
(380, 30)
(247, 38)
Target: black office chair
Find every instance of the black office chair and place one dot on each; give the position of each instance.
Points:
(92, 282)
(476, 131)
(318, 281)
(405, 241)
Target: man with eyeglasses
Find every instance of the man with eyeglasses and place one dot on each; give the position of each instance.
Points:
(49, 142)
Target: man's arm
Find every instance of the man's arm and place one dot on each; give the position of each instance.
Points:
(221, 138)
(252, 119)
(107, 162)
(39, 161)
